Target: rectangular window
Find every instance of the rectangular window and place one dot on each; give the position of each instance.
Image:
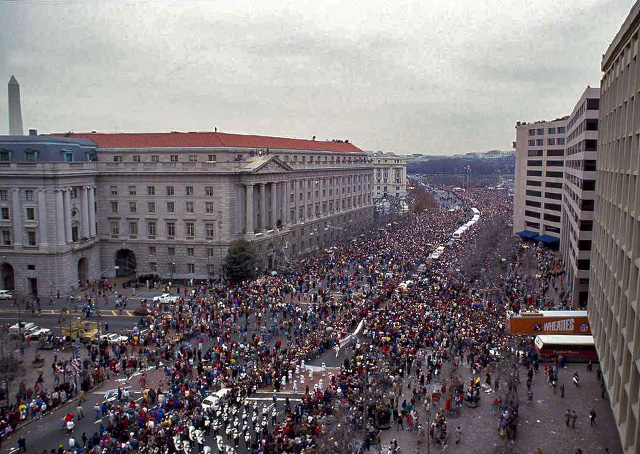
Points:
(539, 142)
(170, 190)
(136, 158)
(151, 190)
(561, 130)
(171, 229)
(552, 174)
(133, 229)
(551, 141)
(31, 238)
(4, 194)
(208, 207)
(31, 267)
(532, 203)
(560, 140)
(208, 191)
(170, 207)
(193, 158)
(171, 250)
(540, 131)
(191, 268)
(151, 206)
(534, 173)
(190, 251)
(114, 190)
(115, 229)
(6, 237)
(209, 231)
(555, 153)
(31, 156)
(532, 214)
(532, 142)
(133, 207)
(31, 214)
(152, 250)
(152, 229)
(5, 156)
(5, 213)
(211, 158)
(552, 195)
(531, 193)
(132, 190)
(555, 163)
(114, 207)
(551, 184)
(534, 183)
(584, 264)
(191, 229)
(117, 158)
(584, 245)
(534, 153)
(532, 132)
(551, 217)
(189, 207)
(534, 163)
(551, 130)
(188, 190)
(155, 159)
(153, 266)
(173, 158)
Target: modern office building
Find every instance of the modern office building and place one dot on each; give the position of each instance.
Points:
(614, 282)
(75, 207)
(537, 208)
(389, 175)
(579, 193)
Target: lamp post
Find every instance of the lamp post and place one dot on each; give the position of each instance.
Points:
(209, 251)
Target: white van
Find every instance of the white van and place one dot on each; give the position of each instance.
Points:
(26, 328)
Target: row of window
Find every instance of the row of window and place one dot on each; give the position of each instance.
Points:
(34, 155)
(170, 190)
(551, 142)
(6, 235)
(540, 131)
(550, 153)
(170, 226)
(30, 213)
(114, 207)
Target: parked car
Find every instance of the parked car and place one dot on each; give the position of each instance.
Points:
(39, 332)
(114, 338)
(142, 312)
(6, 295)
(165, 298)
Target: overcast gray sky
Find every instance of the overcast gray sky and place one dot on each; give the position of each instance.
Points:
(430, 76)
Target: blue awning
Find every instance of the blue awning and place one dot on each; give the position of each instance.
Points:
(547, 239)
(527, 234)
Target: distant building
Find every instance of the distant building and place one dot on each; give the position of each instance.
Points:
(389, 175)
(614, 281)
(539, 179)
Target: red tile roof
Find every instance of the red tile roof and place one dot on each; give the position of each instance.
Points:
(209, 139)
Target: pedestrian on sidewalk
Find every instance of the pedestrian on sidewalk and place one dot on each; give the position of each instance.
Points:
(22, 443)
(574, 416)
(96, 408)
(567, 417)
(592, 417)
(562, 390)
(458, 435)
(80, 411)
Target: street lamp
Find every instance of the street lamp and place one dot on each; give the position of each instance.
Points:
(115, 268)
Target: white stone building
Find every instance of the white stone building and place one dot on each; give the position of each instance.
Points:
(389, 175)
(171, 203)
(537, 207)
(579, 193)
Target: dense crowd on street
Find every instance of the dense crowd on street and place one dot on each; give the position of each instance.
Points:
(233, 340)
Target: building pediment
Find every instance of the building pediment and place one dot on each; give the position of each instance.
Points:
(267, 164)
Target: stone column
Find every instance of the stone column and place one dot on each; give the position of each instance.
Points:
(305, 201)
(85, 211)
(67, 215)
(284, 207)
(42, 218)
(92, 212)
(274, 205)
(249, 208)
(17, 217)
(60, 216)
(263, 207)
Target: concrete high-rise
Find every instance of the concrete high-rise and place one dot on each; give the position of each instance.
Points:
(15, 110)
(614, 281)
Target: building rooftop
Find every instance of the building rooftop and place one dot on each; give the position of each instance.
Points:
(210, 140)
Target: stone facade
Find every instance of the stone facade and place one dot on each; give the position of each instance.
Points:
(145, 207)
(389, 175)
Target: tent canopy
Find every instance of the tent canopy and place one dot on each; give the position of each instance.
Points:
(547, 239)
(527, 234)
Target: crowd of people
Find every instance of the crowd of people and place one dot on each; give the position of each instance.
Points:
(231, 340)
